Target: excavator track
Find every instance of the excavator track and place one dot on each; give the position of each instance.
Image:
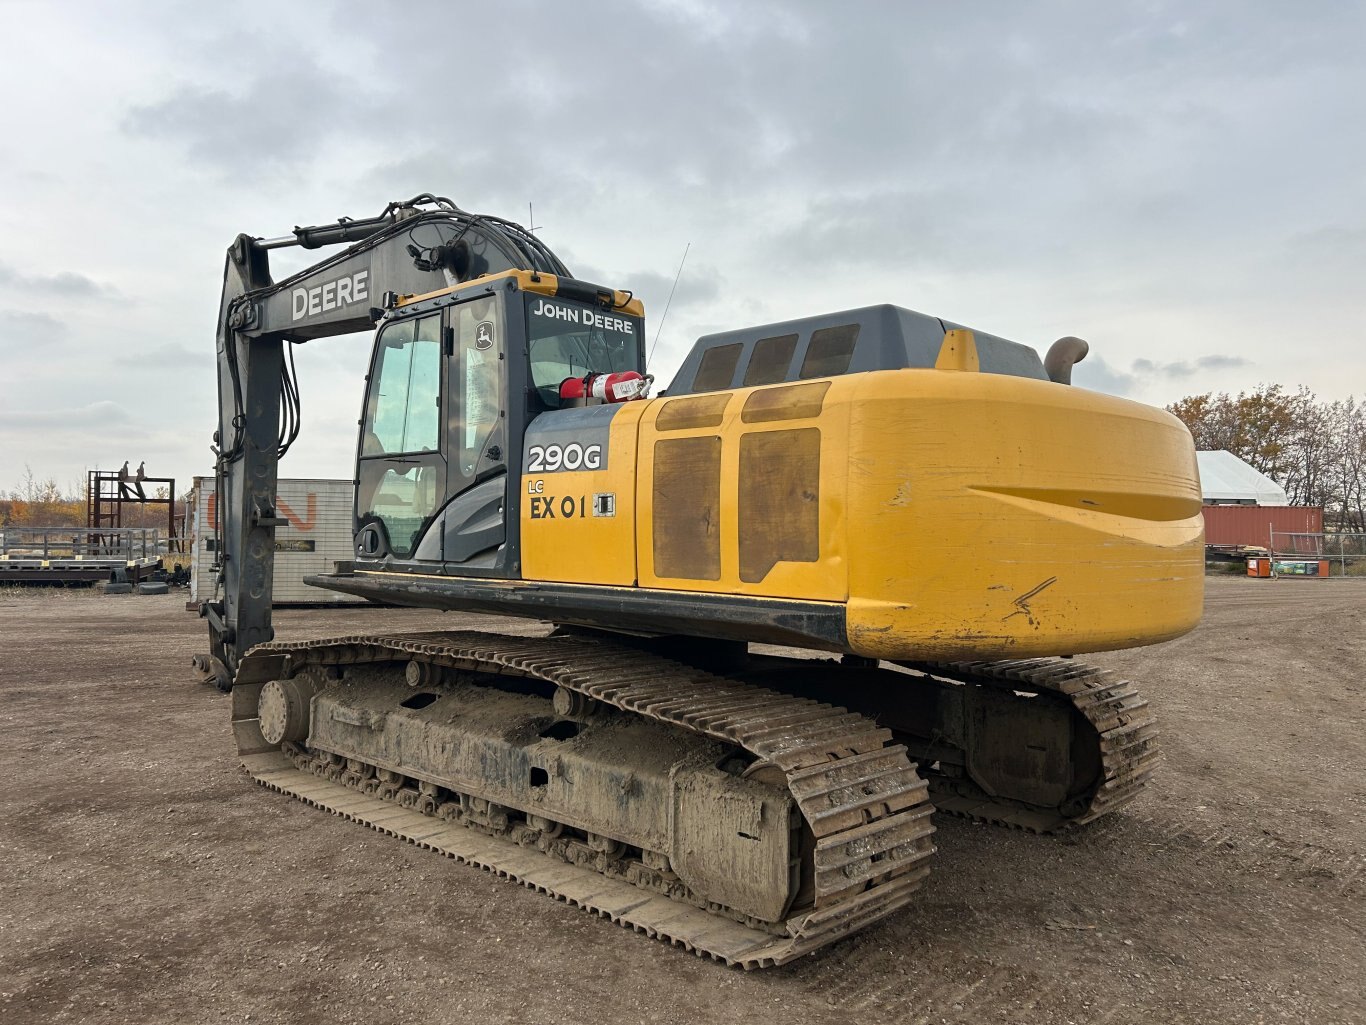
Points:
(864, 809)
(1042, 744)
(1125, 736)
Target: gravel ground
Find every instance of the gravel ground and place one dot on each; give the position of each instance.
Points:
(144, 878)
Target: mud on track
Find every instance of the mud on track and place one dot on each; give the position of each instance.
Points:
(144, 878)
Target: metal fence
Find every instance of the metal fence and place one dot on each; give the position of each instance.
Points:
(1344, 552)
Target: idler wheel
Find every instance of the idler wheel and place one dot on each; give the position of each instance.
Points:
(570, 704)
(283, 710)
(423, 674)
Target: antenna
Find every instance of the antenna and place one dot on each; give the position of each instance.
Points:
(650, 358)
(531, 219)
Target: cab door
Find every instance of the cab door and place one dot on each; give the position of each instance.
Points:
(401, 473)
(474, 524)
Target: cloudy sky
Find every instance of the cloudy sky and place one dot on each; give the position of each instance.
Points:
(1180, 183)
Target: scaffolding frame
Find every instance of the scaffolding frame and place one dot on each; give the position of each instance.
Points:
(106, 493)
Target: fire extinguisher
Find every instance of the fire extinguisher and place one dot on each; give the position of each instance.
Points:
(622, 386)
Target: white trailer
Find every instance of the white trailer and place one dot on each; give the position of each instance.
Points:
(316, 536)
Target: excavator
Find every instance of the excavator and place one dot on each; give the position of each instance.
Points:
(830, 581)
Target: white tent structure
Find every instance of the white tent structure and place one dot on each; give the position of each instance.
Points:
(1227, 480)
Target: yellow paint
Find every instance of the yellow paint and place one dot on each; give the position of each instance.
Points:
(1000, 516)
(824, 580)
(958, 352)
(581, 547)
(962, 515)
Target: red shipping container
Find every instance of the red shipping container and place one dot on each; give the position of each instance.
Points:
(1251, 525)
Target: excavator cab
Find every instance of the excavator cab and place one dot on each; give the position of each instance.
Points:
(455, 379)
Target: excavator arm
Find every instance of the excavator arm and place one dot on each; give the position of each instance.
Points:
(411, 248)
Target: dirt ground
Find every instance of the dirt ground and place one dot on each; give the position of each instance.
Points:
(144, 878)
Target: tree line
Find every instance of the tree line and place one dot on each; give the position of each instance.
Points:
(1315, 450)
(39, 502)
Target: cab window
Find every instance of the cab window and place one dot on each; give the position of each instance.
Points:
(402, 473)
(476, 387)
(568, 339)
(405, 396)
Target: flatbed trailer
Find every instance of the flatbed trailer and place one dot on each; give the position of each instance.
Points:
(78, 555)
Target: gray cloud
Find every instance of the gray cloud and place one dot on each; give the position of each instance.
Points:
(696, 285)
(1339, 239)
(68, 284)
(1095, 373)
(940, 137)
(274, 121)
(169, 357)
(22, 325)
(896, 226)
(93, 416)
(1188, 368)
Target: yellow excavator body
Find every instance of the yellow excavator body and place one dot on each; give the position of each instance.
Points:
(952, 514)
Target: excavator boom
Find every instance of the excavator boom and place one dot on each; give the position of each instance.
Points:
(413, 247)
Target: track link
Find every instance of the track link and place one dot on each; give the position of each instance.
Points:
(1126, 731)
(867, 809)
